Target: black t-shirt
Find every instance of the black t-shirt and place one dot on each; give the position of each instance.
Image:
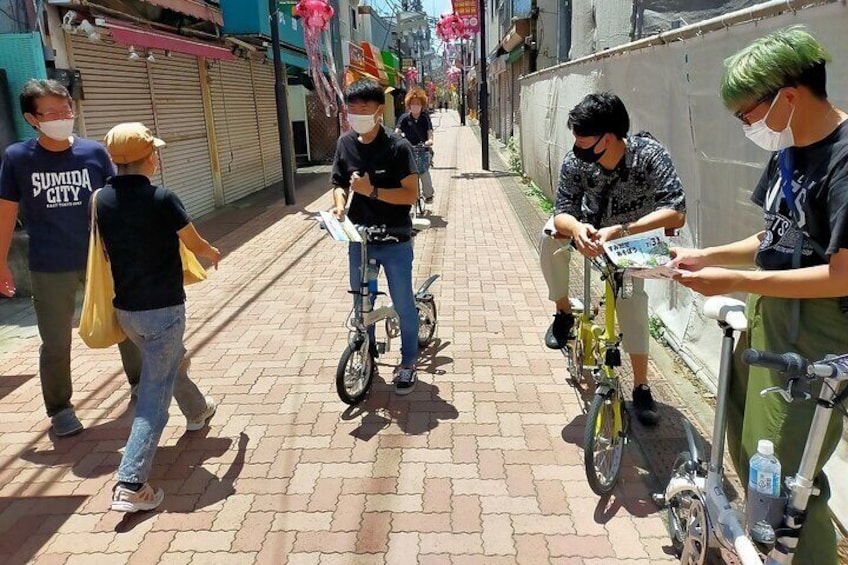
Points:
(820, 185)
(414, 129)
(139, 229)
(387, 160)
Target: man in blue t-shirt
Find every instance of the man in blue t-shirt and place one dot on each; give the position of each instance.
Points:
(52, 178)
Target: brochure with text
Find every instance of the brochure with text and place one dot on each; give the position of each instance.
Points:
(644, 255)
(340, 231)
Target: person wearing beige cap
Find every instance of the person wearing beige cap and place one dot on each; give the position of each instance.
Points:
(142, 226)
(51, 179)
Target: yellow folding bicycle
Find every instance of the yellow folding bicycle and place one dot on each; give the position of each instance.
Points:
(596, 351)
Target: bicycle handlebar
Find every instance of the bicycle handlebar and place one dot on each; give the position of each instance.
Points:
(384, 231)
(782, 362)
(792, 364)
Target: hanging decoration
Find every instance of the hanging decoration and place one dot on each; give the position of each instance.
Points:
(450, 28)
(454, 73)
(316, 16)
(431, 90)
(411, 76)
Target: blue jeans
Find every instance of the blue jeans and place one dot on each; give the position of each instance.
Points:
(422, 161)
(159, 335)
(396, 260)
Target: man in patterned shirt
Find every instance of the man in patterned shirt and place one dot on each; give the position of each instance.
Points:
(611, 185)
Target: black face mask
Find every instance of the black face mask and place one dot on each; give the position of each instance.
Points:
(588, 154)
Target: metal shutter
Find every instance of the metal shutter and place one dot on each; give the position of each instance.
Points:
(266, 112)
(118, 90)
(236, 128)
(180, 121)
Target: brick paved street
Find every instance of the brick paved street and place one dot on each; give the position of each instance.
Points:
(480, 465)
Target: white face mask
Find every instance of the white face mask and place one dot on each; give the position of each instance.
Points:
(767, 138)
(362, 123)
(57, 130)
(415, 109)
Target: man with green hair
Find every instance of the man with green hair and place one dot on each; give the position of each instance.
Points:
(777, 88)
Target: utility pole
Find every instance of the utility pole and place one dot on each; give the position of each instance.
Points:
(335, 32)
(462, 82)
(484, 89)
(283, 122)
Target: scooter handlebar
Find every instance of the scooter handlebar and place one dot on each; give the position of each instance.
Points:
(787, 363)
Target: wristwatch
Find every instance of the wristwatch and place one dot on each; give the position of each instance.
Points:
(374, 194)
(625, 231)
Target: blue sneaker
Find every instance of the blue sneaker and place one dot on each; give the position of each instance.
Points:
(66, 423)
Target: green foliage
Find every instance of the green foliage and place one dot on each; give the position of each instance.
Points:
(656, 327)
(514, 156)
(542, 200)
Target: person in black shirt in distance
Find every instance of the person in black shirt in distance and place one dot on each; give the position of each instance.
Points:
(415, 125)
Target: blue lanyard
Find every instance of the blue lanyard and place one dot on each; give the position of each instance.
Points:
(786, 162)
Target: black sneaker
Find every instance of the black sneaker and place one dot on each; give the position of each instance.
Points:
(644, 406)
(560, 330)
(405, 380)
(428, 200)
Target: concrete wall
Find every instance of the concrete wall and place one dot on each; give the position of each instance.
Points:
(599, 25)
(548, 32)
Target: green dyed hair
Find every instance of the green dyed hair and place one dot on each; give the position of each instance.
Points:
(787, 57)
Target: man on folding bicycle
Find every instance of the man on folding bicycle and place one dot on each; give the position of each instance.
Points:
(416, 126)
(777, 88)
(378, 167)
(611, 185)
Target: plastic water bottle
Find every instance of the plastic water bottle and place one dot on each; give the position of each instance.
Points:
(373, 271)
(763, 489)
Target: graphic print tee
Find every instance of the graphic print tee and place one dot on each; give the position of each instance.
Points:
(820, 191)
(54, 189)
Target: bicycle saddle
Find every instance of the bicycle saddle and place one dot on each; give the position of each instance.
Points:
(728, 311)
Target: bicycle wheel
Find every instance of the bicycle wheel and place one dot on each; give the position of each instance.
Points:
(355, 373)
(603, 444)
(576, 359)
(426, 321)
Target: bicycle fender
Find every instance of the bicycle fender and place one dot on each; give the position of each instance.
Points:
(424, 287)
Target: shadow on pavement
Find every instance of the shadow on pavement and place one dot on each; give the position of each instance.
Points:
(485, 175)
(10, 383)
(200, 487)
(660, 444)
(436, 222)
(83, 452)
(429, 360)
(416, 413)
(28, 523)
(631, 493)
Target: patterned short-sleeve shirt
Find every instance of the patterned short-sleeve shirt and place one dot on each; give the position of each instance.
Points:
(644, 181)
